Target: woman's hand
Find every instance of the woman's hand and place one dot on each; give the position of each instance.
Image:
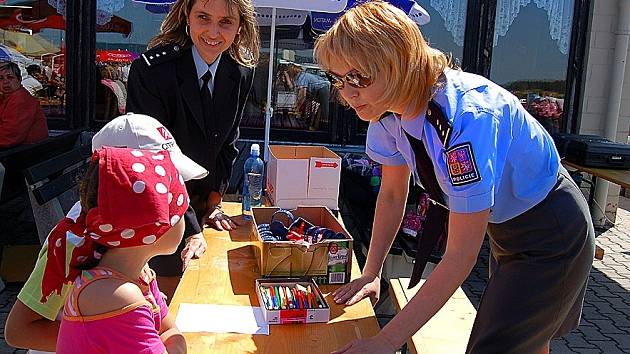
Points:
(353, 292)
(216, 219)
(375, 345)
(195, 246)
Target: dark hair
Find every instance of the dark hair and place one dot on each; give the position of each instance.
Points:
(88, 196)
(33, 69)
(11, 66)
(88, 187)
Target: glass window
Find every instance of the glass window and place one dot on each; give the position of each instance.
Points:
(32, 34)
(123, 30)
(530, 55)
(300, 92)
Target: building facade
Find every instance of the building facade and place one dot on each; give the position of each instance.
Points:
(562, 58)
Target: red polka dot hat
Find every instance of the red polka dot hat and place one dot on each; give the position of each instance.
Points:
(141, 196)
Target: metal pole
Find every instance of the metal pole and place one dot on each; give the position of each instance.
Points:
(269, 109)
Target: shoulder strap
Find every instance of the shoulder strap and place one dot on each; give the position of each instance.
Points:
(442, 125)
(436, 222)
(161, 54)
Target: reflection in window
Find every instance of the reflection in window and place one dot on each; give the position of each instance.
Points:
(124, 28)
(448, 22)
(531, 54)
(33, 37)
(301, 94)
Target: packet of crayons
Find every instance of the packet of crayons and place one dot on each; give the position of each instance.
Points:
(291, 300)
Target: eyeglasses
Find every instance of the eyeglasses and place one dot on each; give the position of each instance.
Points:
(353, 78)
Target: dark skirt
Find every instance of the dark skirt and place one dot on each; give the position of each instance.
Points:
(540, 263)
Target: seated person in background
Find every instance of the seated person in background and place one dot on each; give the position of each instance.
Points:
(30, 81)
(306, 83)
(110, 80)
(21, 118)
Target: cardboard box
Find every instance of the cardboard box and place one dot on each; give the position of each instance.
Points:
(303, 175)
(288, 315)
(327, 261)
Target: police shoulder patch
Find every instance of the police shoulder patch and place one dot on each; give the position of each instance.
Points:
(462, 168)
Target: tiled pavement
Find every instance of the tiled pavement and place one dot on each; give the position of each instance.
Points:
(605, 326)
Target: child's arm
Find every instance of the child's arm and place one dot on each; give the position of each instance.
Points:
(28, 329)
(172, 338)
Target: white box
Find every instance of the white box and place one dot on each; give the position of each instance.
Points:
(303, 175)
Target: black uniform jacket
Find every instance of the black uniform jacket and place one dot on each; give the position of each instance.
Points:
(163, 84)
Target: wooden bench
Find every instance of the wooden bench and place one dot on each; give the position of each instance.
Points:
(16, 159)
(48, 180)
(448, 331)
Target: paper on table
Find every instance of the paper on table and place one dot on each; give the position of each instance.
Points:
(221, 319)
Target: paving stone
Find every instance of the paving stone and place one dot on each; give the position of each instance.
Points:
(593, 333)
(576, 340)
(607, 347)
(608, 327)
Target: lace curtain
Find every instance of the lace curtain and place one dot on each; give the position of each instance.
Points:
(104, 9)
(559, 14)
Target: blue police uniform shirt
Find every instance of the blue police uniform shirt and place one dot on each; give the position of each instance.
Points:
(202, 67)
(499, 157)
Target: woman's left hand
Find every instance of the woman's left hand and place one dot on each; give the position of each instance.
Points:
(376, 345)
(217, 220)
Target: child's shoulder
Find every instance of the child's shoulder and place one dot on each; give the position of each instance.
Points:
(108, 294)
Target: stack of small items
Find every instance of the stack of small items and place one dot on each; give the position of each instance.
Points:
(291, 300)
(297, 230)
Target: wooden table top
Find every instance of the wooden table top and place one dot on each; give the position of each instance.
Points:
(225, 275)
(620, 177)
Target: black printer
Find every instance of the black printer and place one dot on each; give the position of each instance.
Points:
(593, 151)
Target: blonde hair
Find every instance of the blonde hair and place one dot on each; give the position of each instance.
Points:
(244, 50)
(381, 41)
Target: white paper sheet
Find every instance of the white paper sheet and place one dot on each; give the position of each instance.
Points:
(221, 319)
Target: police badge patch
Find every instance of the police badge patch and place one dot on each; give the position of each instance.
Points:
(462, 168)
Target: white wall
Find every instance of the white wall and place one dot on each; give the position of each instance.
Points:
(601, 43)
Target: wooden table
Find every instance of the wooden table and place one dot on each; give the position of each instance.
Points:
(616, 176)
(446, 332)
(620, 177)
(225, 275)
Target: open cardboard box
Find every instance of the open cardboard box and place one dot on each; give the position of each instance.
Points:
(327, 261)
(303, 175)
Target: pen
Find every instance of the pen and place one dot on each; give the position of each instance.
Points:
(270, 298)
(263, 297)
(296, 298)
(289, 295)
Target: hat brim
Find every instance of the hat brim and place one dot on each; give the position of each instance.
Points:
(188, 168)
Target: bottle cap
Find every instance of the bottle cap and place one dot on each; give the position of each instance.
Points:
(255, 150)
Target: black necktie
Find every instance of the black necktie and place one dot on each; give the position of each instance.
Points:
(206, 101)
(436, 223)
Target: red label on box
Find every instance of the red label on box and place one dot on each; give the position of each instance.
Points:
(293, 316)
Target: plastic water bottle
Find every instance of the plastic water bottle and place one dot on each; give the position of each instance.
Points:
(252, 181)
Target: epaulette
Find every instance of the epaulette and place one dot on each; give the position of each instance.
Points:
(438, 120)
(161, 54)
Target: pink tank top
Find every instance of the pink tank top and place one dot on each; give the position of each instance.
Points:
(131, 329)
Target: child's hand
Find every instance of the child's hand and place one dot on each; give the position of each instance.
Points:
(195, 246)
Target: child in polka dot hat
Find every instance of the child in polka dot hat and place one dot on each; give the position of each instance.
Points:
(132, 203)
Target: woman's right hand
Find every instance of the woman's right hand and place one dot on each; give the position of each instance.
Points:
(356, 290)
